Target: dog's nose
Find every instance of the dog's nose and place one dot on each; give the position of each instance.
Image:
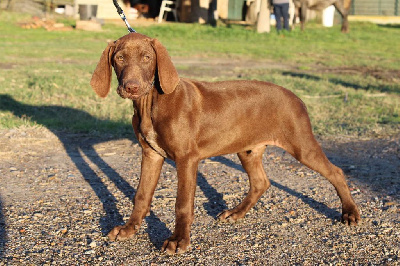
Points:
(131, 87)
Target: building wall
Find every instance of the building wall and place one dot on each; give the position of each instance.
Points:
(105, 8)
(33, 7)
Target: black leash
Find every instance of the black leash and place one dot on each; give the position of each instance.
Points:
(122, 15)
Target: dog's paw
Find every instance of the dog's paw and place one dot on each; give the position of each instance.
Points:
(229, 216)
(122, 232)
(175, 246)
(351, 215)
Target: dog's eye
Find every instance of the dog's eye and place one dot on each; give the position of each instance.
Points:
(120, 58)
(146, 58)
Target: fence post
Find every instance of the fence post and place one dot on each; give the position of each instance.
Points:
(380, 7)
(263, 21)
(396, 7)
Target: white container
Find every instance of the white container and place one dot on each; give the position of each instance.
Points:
(327, 16)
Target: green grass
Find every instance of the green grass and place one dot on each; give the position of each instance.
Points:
(44, 76)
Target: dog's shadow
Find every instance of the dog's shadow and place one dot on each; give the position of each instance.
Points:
(77, 148)
(314, 204)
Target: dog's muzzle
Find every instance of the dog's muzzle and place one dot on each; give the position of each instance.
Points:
(131, 90)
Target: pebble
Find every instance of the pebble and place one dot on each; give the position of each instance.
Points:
(89, 252)
(93, 244)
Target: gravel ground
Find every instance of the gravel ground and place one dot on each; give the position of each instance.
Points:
(61, 193)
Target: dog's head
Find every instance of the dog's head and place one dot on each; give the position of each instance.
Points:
(138, 62)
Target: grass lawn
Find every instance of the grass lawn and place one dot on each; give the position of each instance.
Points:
(349, 82)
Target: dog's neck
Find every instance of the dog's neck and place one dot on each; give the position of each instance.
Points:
(143, 107)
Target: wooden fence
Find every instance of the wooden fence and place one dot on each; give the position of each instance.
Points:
(375, 7)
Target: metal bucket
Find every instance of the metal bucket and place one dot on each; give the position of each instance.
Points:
(87, 12)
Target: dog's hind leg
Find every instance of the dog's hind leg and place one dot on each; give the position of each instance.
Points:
(259, 183)
(307, 151)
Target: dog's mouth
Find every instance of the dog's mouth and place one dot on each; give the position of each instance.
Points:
(133, 93)
(123, 93)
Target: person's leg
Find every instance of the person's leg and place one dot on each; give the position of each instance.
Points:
(285, 15)
(278, 16)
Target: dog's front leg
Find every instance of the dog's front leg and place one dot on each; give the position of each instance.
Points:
(184, 207)
(150, 172)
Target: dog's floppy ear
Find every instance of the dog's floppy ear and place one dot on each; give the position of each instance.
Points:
(167, 74)
(101, 78)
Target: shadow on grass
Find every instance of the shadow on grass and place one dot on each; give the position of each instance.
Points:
(390, 26)
(337, 81)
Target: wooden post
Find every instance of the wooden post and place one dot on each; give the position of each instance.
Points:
(185, 7)
(263, 22)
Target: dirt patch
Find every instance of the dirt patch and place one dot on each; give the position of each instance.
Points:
(61, 193)
(6, 66)
(224, 67)
(49, 25)
(214, 67)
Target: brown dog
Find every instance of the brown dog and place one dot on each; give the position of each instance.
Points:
(188, 120)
